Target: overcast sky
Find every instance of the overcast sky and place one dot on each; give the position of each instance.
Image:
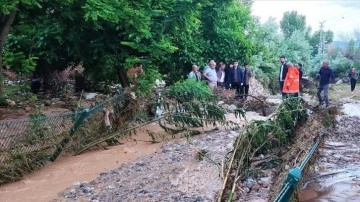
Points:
(342, 17)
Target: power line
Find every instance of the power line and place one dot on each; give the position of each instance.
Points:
(344, 19)
(340, 17)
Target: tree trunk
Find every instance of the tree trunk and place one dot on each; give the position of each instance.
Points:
(123, 77)
(5, 28)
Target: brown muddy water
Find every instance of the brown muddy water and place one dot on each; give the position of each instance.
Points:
(46, 183)
(335, 175)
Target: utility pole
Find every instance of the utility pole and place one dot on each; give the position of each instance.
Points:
(322, 39)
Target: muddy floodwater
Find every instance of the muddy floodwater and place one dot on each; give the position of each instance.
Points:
(335, 175)
(44, 184)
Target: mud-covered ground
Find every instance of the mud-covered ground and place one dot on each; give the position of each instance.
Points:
(184, 170)
(175, 173)
(178, 173)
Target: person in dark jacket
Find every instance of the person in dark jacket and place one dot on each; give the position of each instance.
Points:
(227, 72)
(282, 74)
(301, 72)
(327, 79)
(353, 75)
(246, 81)
(235, 77)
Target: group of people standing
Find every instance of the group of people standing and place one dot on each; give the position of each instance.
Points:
(221, 76)
(289, 78)
(235, 77)
(291, 75)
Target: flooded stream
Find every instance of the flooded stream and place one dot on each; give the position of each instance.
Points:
(335, 176)
(44, 184)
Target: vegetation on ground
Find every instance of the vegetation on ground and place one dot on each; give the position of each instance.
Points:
(180, 109)
(262, 137)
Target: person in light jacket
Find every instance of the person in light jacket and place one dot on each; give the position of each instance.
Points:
(211, 76)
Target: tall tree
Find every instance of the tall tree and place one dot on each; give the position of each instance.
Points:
(315, 39)
(265, 60)
(225, 26)
(291, 22)
(9, 14)
(8, 11)
(297, 49)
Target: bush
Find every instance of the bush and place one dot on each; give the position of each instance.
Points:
(3, 101)
(277, 131)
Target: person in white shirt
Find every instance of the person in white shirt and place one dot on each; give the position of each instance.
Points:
(211, 76)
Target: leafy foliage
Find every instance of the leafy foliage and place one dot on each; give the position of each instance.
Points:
(193, 105)
(267, 45)
(106, 37)
(277, 131)
(315, 40)
(292, 22)
(19, 63)
(297, 49)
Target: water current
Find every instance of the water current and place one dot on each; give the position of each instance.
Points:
(335, 176)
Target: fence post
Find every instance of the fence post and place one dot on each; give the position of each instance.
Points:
(78, 121)
(294, 175)
(290, 185)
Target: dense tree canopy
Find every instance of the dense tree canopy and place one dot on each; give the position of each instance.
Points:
(109, 36)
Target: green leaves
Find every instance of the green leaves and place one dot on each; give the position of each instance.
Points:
(192, 104)
(18, 62)
(106, 10)
(105, 35)
(291, 22)
(265, 135)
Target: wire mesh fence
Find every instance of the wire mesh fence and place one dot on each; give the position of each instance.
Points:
(29, 143)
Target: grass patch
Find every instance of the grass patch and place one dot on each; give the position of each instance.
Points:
(340, 91)
(11, 90)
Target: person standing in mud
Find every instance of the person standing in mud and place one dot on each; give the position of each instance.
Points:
(291, 83)
(327, 79)
(246, 81)
(221, 75)
(236, 77)
(211, 76)
(353, 75)
(301, 72)
(282, 74)
(227, 73)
